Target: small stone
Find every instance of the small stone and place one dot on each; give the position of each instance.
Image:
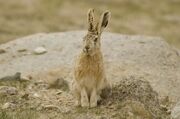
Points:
(65, 110)
(59, 92)
(102, 117)
(40, 50)
(168, 111)
(8, 90)
(25, 96)
(8, 105)
(22, 50)
(175, 113)
(60, 83)
(16, 76)
(164, 107)
(2, 51)
(36, 95)
(25, 78)
(50, 107)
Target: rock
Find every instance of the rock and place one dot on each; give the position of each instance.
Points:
(50, 107)
(65, 110)
(25, 96)
(2, 51)
(22, 50)
(9, 105)
(40, 50)
(102, 117)
(146, 58)
(25, 78)
(16, 76)
(59, 83)
(5, 90)
(41, 85)
(59, 92)
(175, 113)
(36, 95)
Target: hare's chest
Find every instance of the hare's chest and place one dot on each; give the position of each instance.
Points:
(88, 82)
(89, 70)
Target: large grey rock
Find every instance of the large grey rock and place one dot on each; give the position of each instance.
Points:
(146, 58)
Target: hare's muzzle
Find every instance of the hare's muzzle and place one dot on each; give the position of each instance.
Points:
(86, 49)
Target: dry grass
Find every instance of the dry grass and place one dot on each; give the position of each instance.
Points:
(130, 98)
(23, 114)
(156, 17)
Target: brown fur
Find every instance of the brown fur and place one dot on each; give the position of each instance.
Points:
(89, 72)
(90, 65)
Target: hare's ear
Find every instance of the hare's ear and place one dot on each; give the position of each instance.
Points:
(103, 22)
(90, 19)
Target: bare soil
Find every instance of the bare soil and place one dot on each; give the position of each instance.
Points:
(130, 99)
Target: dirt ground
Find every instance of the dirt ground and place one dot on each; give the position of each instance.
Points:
(153, 18)
(131, 99)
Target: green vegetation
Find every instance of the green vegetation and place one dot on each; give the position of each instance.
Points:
(156, 17)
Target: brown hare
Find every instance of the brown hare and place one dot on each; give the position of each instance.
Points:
(89, 72)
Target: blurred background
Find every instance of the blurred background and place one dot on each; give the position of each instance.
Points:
(145, 17)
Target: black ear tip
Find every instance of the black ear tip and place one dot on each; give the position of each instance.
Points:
(106, 18)
(107, 13)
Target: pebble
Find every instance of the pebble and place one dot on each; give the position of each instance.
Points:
(59, 83)
(175, 113)
(25, 78)
(50, 107)
(2, 51)
(22, 50)
(8, 90)
(8, 105)
(59, 92)
(40, 50)
(16, 76)
(36, 95)
(25, 96)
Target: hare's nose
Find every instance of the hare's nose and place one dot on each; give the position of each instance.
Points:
(87, 47)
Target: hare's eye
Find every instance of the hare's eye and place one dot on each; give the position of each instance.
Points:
(95, 40)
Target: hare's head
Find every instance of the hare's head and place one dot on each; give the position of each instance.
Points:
(91, 41)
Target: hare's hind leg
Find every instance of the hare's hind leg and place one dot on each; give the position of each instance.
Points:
(93, 98)
(78, 99)
(76, 93)
(84, 98)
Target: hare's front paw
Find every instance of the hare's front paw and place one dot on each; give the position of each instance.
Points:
(93, 99)
(78, 103)
(84, 99)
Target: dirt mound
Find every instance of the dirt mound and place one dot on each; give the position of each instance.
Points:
(136, 99)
